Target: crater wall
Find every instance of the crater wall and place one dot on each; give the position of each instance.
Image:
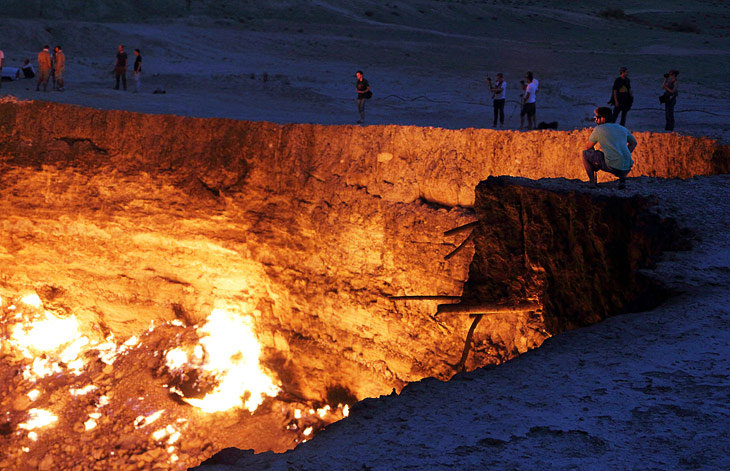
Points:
(124, 218)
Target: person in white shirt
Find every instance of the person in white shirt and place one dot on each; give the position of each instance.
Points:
(529, 100)
(499, 93)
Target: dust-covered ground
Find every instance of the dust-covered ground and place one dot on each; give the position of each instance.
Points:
(426, 61)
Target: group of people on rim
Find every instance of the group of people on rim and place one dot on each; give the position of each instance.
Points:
(52, 67)
(615, 141)
(622, 98)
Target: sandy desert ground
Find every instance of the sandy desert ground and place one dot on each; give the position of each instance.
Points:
(294, 61)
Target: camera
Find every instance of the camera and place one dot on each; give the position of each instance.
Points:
(666, 75)
(522, 82)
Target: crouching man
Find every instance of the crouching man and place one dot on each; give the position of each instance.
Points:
(617, 144)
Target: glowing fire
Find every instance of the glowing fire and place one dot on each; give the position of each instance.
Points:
(215, 368)
(38, 418)
(45, 334)
(229, 352)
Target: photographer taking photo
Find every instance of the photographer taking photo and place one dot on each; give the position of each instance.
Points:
(499, 94)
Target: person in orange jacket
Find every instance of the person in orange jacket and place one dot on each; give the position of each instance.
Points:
(44, 66)
(59, 67)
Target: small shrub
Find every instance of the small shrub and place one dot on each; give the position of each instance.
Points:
(684, 27)
(613, 14)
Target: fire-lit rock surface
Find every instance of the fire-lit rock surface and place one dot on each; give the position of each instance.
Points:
(644, 390)
(120, 219)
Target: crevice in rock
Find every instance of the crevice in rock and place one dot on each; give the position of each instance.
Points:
(83, 143)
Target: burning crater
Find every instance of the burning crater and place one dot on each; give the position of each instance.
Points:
(173, 286)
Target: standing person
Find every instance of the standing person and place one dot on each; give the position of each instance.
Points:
(59, 67)
(44, 68)
(529, 100)
(363, 93)
(120, 68)
(137, 69)
(621, 97)
(670, 97)
(53, 69)
(522, 104)
(499, 94)
(617, 144)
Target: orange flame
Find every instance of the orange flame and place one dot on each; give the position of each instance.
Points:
(230, 352)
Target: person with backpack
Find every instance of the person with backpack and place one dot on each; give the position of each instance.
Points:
(621, 96)
(363, 93)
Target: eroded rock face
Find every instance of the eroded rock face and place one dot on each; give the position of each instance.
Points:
(577, 253)
(122, 218)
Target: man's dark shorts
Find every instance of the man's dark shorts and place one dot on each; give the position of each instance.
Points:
(529, 109)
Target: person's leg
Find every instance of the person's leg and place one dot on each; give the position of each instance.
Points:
(531, 112)
(124, 79)
(361, 109)
(495, 105)
(136, 82)
(623, 116)
(592, 163)
(501, 112)
(669, 114)
(117, 77)
(614, 115)
(522, 116)
(621, 174)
